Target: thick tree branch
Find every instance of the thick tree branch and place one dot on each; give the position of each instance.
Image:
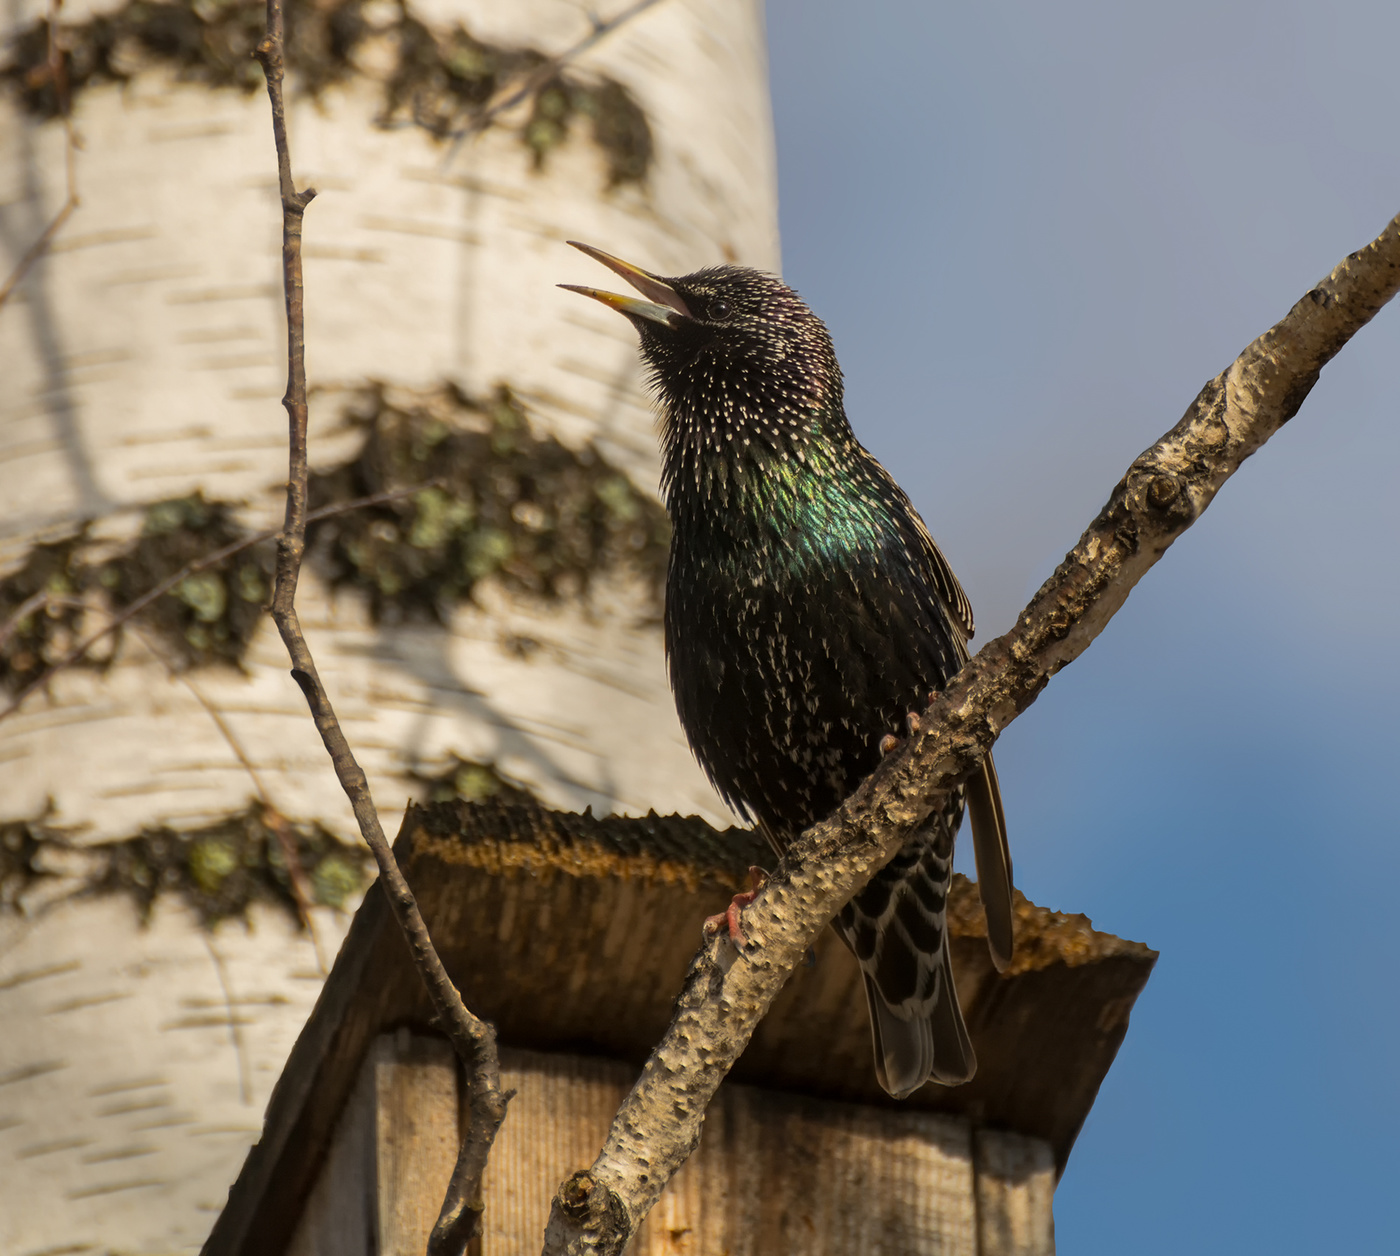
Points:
(473, 1039)
(1163, 493)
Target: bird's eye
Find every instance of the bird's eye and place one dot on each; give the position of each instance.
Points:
(719, 310)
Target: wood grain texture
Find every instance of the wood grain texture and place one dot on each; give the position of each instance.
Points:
(391, 1154)
(415, 1137)
(572, 934)
(1015, 1190)
(774, 1172)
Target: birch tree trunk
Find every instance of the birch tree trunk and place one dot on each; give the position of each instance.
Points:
(142, 357)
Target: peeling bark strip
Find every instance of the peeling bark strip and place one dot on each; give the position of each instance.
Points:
(1163, 493)
(473, 1039)
(441, 79)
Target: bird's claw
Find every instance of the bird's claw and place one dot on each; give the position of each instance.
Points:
(889, 743)
(729, 919)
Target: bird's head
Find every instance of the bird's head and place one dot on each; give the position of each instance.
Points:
(732, 351)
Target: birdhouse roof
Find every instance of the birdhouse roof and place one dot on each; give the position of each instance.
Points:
(573, 933)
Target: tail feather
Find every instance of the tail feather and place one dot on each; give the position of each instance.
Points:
(897, 929)
(936, 1047)
(955, 1061)
(904, 1053)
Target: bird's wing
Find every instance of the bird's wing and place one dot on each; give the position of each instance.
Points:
(936, 569)
(943, 579)
(993, 859)
(984, 807)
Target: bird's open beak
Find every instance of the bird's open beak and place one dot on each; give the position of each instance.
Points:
(663, 306)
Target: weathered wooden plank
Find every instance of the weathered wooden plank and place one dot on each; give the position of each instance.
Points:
(787, 1173)
(416, 1137)
(339, 1212)
(1015, 1193)
(773, 1172)
(391, 1155)
(562, 1108)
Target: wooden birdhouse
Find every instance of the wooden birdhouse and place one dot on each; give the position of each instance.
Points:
(572, 934)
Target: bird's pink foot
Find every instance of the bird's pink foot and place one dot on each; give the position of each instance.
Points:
(729, 918)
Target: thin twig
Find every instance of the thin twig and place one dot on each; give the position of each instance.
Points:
(235, 1026)
(541, 75)
(32, 603)
(474, 1040)
(193, 567)
(1164, 491)
(58, 75)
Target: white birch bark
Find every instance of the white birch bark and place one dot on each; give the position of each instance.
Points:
(143, 359)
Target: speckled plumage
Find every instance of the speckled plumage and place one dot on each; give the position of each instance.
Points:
(807, 611)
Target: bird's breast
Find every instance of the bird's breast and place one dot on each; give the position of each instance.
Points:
(790, 655)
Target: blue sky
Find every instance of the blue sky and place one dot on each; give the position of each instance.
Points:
(1035, 231)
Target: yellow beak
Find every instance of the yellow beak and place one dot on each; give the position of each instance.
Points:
(664, 306)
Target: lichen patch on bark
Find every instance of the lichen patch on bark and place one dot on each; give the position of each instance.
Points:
(497, 502)
(442, 79)
(66, 587)
(219, 869)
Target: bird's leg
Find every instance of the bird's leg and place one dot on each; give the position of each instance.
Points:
(729, 918)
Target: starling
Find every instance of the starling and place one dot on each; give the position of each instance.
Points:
(808, 610)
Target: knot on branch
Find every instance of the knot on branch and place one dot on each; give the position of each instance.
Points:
(1166, 497)
(1208, 433)
(1162, 490)
(596, 1211)
(575, 1194)
(1058, 623)
(305, 683)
